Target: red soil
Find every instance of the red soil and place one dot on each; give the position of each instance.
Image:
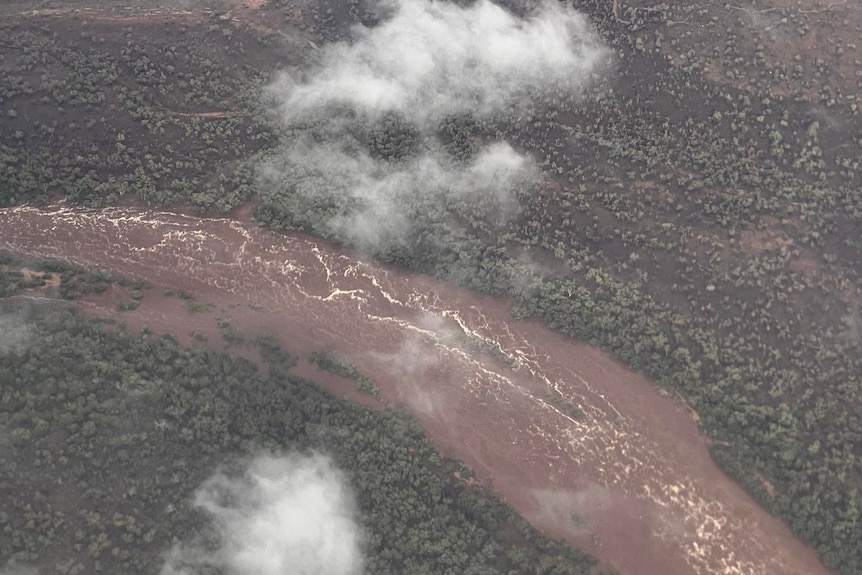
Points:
(630, 480)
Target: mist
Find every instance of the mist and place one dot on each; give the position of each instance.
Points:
(291, 514)
(16, 332)
(363, 158)
(13, 568)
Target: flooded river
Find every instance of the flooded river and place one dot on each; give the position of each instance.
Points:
(582, 447)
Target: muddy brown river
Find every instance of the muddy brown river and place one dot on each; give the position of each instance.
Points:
(629, 479)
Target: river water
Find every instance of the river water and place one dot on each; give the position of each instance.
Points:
(626, 475)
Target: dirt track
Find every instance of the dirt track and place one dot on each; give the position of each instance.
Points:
(630, 479)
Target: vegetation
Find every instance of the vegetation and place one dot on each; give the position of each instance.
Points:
(230, 334)
(106, 435)
(334, 363)
(14, 280)
(94, 113)
(18, 275)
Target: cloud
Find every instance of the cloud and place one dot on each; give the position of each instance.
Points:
(433, 59)
(13, 568)
(365, 157)
(291, 514)
(374, 204)
(16, 333)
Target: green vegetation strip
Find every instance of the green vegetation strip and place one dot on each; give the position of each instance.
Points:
(334, 363)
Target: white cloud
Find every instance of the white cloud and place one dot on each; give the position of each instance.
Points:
(433, 59)
(291, 515)
(16, 333)
(429, 61)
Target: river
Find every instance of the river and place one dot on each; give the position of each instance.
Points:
(628, 478)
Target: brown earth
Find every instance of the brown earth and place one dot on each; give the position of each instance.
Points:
(785, 48)
(627, 475)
